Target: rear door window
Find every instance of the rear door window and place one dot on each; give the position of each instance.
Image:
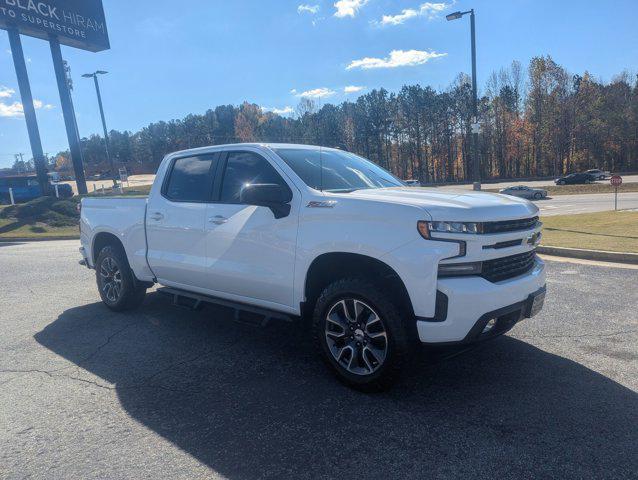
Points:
(191, 178)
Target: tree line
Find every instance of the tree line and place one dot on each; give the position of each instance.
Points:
(539, 121)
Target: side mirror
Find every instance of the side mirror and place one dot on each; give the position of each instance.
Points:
(271, 195)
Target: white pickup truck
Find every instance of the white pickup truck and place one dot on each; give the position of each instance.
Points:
(312, 232)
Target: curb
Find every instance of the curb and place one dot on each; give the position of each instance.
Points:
(37, 239)
(600, 255)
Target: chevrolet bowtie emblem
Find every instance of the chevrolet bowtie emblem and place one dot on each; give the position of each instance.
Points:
(534, 239)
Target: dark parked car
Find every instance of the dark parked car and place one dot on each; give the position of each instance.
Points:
(574, 179)
(27, 188)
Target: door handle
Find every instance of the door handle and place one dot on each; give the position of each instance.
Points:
(218, 220)
(157, 216)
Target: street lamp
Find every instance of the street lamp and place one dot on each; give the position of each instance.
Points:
(106, 134)
(476, 166)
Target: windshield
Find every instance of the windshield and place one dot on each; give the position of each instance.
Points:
(336, 171)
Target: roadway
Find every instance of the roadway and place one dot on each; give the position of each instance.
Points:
(581, 203)
(598, 202)
(570, 204)
(533, 183)
(164, 392)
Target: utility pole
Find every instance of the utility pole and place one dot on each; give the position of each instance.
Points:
(476, 163)
(106, 132)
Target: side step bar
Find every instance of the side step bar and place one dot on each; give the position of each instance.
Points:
(196, 301)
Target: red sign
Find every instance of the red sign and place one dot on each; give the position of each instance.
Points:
(616, 180)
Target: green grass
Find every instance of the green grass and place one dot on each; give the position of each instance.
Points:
(10, 229)
(51, 217)
(611, 231)
(42, 217)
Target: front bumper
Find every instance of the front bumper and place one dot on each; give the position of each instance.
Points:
(473, 301)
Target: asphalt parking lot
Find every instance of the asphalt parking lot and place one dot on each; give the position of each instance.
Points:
(170, 393)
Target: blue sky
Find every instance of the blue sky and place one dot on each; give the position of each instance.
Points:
(168, 58)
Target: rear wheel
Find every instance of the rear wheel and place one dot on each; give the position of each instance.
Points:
(116, 283)
(359, 332)
(538, 195)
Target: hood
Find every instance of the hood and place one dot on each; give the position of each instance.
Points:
(458, 206)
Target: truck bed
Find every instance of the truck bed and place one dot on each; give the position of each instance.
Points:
(123, 217)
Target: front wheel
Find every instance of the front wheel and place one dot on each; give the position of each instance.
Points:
(359, 332)
(116, 283)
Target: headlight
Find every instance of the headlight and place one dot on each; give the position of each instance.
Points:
(425, 228)
(456, 269)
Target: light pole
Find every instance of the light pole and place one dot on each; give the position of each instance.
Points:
(476, 164)
(106, 134)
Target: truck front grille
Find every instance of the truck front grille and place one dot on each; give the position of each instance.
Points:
(503, 268)
(509, 225)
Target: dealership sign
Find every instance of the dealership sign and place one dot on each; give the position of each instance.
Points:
(76, 23)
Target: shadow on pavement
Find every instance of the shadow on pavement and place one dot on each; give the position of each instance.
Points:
(254, 403)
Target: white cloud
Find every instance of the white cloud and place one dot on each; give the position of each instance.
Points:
(352, 89)
(312, 9)
(397, 58)
(279, 111)
(11, 110)
(428, 9)
(316, 93)
(6, 92)
(349, 8)
(16, 109)
(398, 19)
